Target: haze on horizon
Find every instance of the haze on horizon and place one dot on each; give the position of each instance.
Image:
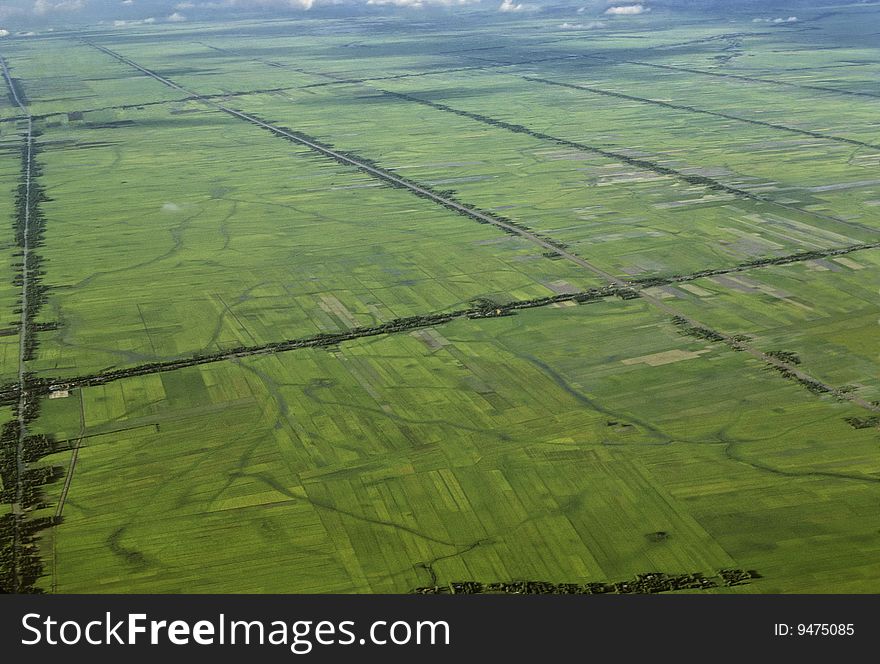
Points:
(23, 16)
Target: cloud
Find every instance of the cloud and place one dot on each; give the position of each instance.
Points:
(510, 6)
(298, 4)
(176, 17)
(270, 4)
(127, 2)
(305, 5)
(43, 7)
(4, 32)
(592, 25)
(122, 24)
(416, 4)
(790, 19)
(626, 10)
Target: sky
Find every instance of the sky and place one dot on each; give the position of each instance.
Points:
(20, 15)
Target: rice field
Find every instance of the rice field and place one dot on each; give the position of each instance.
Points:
(313, 310)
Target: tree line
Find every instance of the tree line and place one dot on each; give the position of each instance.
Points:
(645, 583)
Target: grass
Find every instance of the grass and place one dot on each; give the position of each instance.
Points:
(625, 219)
(282, 244)
(519, 448)
(553, 444)
(66, 77)
(825, 311)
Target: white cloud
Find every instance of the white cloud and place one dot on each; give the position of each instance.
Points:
(122, 24)
(416, 4)
(510, 6)
(276, 4)
(4, 32)
(43, 7)
(790, 19)
(305, 5)
(592, 25)
(176, 17)
(127, 2)
(626, 10)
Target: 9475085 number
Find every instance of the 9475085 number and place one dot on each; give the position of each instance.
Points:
(814, 629)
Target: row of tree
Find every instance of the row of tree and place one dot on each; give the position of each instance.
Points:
(16, 90)
(693, 109)
(636, 162)
(864, 422)
(685, 327)
(445, 198)
(23, 482)
(20, 563)
(751, 265)
(482, 308)
(646, 583)
(810, 384)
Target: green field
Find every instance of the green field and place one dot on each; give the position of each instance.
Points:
(281, 245)
(541, 446)
(362, 306)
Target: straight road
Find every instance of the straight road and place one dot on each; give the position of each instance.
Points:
(24, 329)
(485, 218)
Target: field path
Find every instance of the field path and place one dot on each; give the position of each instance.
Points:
(508, 227)
(374, 171)
(740, 77)
(24, 329)
(702, 111)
